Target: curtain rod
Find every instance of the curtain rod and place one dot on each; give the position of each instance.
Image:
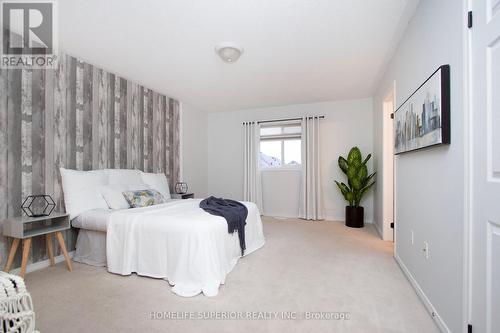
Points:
(279, 120)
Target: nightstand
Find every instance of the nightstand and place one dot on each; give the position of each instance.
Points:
(24, 228)
(183, 196)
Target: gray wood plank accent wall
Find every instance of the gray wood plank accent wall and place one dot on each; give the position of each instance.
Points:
(77, 116)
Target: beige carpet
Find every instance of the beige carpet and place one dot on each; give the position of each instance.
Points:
(304, 267)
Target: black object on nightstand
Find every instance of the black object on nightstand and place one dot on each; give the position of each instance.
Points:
(183, 196)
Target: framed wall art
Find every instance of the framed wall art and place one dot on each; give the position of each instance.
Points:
(423, 120)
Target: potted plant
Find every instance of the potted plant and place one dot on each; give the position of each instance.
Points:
(359, 183)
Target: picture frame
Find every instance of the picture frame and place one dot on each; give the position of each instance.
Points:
(423, 119)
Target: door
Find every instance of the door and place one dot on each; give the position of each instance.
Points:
(388, 166)
(485, 118)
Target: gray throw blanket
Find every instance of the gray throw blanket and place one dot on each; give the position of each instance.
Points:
(233, 211)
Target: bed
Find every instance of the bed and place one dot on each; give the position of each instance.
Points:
(176, 241)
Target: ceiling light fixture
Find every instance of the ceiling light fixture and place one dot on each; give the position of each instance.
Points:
(228, 52)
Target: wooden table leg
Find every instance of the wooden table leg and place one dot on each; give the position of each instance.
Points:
(50, 251)
(26, 254)
(12, 254)
(60, 239)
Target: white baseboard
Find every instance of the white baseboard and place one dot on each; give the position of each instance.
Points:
(427, 303)
(328, 218)
(41, 264)
(333, 218)
(379, 231)
(280, 216)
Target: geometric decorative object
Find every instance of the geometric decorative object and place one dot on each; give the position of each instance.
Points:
(16, 306)
(230, 53)
(423, 120)
(181, 188)
(38, 205)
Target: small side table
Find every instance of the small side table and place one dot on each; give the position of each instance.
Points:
(24, 228)
(182, 196)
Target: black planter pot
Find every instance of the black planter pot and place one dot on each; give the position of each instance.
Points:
(354, 217)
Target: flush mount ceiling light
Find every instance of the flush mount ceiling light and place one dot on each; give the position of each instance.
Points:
(228, 52)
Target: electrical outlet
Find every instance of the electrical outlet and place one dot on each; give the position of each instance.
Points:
(426, 250)
(412, 239)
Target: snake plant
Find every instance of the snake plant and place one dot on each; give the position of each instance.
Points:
(357, 177)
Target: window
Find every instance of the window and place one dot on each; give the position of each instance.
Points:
(280, 145)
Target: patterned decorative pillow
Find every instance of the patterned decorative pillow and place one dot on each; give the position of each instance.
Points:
(143, 198)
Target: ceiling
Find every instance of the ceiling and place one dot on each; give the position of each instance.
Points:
(295, 51)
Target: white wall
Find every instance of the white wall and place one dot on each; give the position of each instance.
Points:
(194, 149)
(284, 203)
(429, 183)
(346, 124)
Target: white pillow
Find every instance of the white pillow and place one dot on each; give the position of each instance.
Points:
(157, 181)
(81, 190)
(113, 195)
(126, 177)
(138, 187)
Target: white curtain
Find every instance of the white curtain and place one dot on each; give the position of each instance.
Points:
(252, 181)
(311, 201)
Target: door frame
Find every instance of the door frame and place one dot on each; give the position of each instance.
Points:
(388, 186)
(468, 166)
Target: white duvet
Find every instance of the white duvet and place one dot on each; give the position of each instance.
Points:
(179, 242)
